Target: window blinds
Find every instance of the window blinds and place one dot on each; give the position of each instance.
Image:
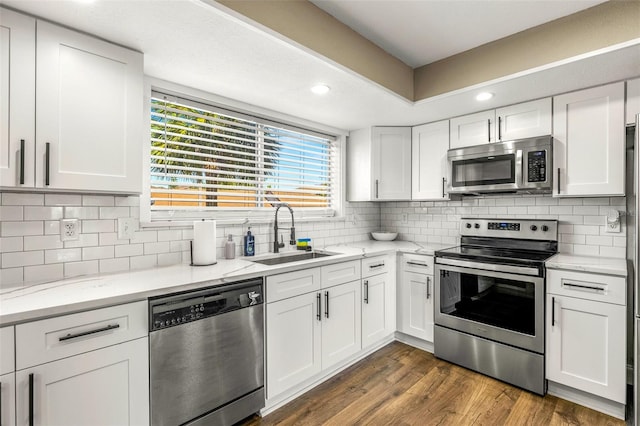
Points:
(205, 158)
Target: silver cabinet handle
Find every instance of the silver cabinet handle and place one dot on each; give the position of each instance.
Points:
(47, 155)
(377, 186)
(499, 128)
(553, 311)
(31, 399)
(428, 288)
(558, 180)
(86, 333)
(583, 287)
(318, 309)
(366, 292)
(326, 304)
(489, 128)
(443, 180)
(379, 265)
(417, 264)
(21, 161)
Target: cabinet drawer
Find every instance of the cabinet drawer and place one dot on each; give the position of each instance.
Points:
(59, 337)
(7, 354)
(420, 263)
(375, 265)
(340, 273)
(291, 284)
(601, 288)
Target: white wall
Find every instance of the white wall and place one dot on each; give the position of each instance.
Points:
(581, 220)
(31, 250)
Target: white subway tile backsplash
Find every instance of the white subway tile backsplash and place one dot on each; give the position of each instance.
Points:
(603, 201)
(586, 229)
(586, 250)
(75, 212)
(23, 258)
(42, 213)
(144, 237)
(22, 199)
(91, 253)
(114, 265)
(160, 247)
(127, 201)
(586, 210)
(63, 255)
(9, 244)
(84, 240)
(90, 226)
(113, 212)
(16, 229)
(618, 252)
(573, 239)
(51, 227)
(10, 277)
(143, 262)
(170, 235)
(45, 273)
(98, 200)
(74, 269)
(594, 220)
(11, 213)
(165, 259)
(62, 200)
(41, 242)
(599, 240)
(110, 239)
(129, 250)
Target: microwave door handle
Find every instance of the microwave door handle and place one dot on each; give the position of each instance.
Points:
(519, 178)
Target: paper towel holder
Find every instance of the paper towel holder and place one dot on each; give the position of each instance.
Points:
(191, 255)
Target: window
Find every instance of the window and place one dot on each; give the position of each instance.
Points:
(207, 161)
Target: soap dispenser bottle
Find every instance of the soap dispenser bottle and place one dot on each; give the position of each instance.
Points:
(230, 248)
(249, 244)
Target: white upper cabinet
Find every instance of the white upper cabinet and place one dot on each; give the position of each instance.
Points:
(528, 119)
(633, 100)
(89, 113)
(17, 98)
(429, 145)
(379, 164)
(71, 109)
(589, 150)
(473, 129)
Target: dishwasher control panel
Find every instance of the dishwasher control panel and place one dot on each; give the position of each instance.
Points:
(173, 310)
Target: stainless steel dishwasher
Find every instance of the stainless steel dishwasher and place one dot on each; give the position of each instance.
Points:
(206, 355)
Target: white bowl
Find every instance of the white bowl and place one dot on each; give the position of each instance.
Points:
(384, 236)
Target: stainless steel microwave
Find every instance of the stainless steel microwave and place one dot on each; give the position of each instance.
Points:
(523, 165)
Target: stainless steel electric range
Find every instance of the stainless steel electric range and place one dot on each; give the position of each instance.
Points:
(489, 299)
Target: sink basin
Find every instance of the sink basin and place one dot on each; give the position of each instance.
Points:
(293, 257)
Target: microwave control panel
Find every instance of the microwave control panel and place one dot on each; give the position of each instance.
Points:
(537, 166)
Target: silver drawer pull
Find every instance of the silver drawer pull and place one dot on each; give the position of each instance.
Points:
(86, 333)
(583, 287)
(379, 265)
(417, 264)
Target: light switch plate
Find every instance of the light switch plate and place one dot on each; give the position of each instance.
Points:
(126, 227)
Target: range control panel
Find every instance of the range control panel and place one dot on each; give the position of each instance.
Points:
(510, 228)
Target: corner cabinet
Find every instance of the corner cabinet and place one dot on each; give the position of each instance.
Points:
(415, 295)
(528, 119)
(586, 333)
(379, 164)
(429, 145)
(589, 150)
(87, 96)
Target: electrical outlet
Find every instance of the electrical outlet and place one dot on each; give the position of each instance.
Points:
(69, 229)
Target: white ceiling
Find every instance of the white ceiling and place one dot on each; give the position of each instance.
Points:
(199, 44)
(424, 31)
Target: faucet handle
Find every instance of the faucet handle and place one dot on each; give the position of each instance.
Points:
(292, 238)
(281, 243)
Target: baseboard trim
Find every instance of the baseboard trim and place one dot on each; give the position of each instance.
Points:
(414, 341)
(606, 406)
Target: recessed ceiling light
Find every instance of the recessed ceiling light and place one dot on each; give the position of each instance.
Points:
(484, 96)
(320, 89)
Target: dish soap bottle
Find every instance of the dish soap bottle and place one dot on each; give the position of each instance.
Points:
(230, 248)
(249, 244)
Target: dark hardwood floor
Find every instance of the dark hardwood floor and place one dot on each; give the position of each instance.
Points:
(401, 385)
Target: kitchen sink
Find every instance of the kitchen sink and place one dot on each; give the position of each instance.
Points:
(293, 257)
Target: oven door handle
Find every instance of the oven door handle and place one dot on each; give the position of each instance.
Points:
(523, 270)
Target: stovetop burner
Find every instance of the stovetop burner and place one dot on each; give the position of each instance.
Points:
(496, 254)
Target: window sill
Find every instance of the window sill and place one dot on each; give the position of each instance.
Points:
(243, 221)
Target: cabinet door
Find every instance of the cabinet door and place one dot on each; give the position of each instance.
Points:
(429, 145)
(474, 129)
(589, 151)
(341, 323)
(586, 346)
(293, 341)
(416, 304)
(378, 308)
(109, 386)
(391, 151)
(524, 120)
(633, 101)
(89, 113)
(17, 98)
(8, 399)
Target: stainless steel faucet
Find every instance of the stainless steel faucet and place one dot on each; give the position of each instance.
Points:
(278, 245)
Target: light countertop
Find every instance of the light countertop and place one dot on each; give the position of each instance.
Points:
(598, 265)
(90, 292)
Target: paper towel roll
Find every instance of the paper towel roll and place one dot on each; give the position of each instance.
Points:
(203, 250)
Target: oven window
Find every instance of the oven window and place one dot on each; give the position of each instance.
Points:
(499, 302)
(484, 171)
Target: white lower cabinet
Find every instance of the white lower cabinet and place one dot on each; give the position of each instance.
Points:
(109, 386)
(8, 399)
(415, 294)
(586, 335)
(341, 334)
(294, 339)
(378, 308)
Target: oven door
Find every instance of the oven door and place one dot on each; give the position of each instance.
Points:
(503, 307)
(500, 171)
